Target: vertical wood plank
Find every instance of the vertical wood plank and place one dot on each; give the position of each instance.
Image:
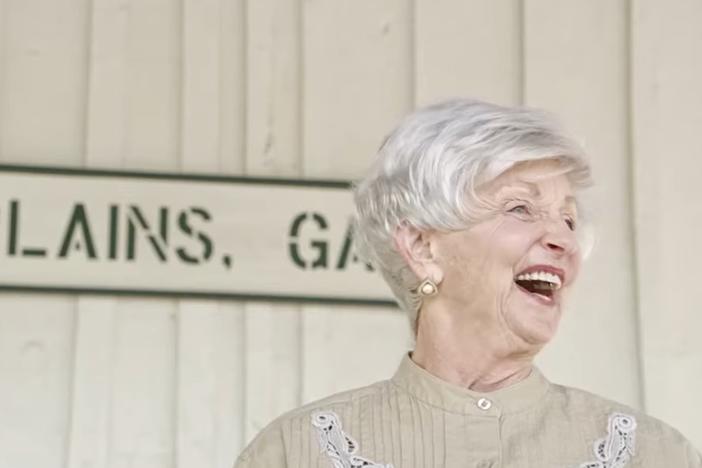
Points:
(232, 98)
(144, 348)
(134, 85)
(583, 78)
(43, 78)
(272, 364)
(143, 371)
(358, 69)
(3, 66)
(667, 110)
(273, 148)
(124, 371)
(273, 82)
(93, 386)
(35, 360)
(368, 341)
(210, 334)
(153, 86)
(468, 48)
(201, 76)
(106, 119)
(92, 381)
(210, 381)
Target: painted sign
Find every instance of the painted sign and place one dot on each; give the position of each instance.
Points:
(184, 235)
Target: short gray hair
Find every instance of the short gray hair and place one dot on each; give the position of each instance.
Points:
(427, 170)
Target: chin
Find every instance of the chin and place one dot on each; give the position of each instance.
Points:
(538, 337)
(533, 325)
(539, 328)
(532, 319)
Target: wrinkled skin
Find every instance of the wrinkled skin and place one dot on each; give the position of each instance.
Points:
(480, 315)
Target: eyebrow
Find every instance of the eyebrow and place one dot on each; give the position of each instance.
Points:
(534, 190)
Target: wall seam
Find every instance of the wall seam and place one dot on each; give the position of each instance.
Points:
(88, 80)
(631, 159)
(244, 169)
(521, 53)
(180, 161)
(181, 78)
(245, 87)
(221, 166)
(76, 299)
(3, 60)
(413, 54)
(70, 420)
(302, 169)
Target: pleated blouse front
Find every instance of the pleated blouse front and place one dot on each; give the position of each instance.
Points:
(416, 420)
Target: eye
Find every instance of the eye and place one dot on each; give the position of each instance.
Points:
(520, 209)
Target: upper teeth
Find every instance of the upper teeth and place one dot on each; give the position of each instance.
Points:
(541, 276)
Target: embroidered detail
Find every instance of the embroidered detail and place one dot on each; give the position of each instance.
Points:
(339, 446)
(615, 450)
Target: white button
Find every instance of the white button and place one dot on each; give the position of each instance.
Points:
(484, 404)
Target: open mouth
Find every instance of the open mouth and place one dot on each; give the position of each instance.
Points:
(541, 284)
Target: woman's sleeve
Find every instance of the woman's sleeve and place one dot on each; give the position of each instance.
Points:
(266, 451)
(694, 457)
(263, 461)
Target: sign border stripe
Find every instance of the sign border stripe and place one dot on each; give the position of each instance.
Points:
(186, 294)
(155, 175)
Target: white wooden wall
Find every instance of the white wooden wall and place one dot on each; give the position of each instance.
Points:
(307, 89)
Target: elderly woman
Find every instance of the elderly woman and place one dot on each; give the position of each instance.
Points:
(470, 213)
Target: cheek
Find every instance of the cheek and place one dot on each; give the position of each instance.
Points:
(463, 264)
(487, 255)
(512, 240)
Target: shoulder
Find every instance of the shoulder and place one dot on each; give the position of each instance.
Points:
(598, 418)
(274, 440)
(589, 407)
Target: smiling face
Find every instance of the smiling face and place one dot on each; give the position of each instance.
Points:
(506, 275)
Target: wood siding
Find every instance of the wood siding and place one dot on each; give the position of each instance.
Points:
(308, 88)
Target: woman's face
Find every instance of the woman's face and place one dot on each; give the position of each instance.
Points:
(507, 275)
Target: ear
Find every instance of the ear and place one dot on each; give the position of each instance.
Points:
(415, 246)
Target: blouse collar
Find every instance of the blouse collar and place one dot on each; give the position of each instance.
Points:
(424, 386)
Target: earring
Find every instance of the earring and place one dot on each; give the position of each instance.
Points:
(427, 288)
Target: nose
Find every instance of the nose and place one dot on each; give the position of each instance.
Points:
(559, 239)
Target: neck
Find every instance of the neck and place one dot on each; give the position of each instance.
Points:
(479, 362)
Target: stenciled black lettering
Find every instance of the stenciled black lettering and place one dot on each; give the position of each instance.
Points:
(13, 235)
(114, 232)
(14, 228)
(185, 226)
(295, 226)
(347, 250)
(293, 249)
(158, 241)
(33, 252)
(78, 225)
(320, 246)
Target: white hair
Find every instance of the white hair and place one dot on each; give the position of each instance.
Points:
(428, 169)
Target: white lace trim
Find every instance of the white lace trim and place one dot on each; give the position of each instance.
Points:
(615, 450)
(340, 447)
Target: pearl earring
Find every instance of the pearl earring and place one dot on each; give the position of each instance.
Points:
(427, 288)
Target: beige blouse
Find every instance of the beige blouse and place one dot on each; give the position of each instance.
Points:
(416, 420)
